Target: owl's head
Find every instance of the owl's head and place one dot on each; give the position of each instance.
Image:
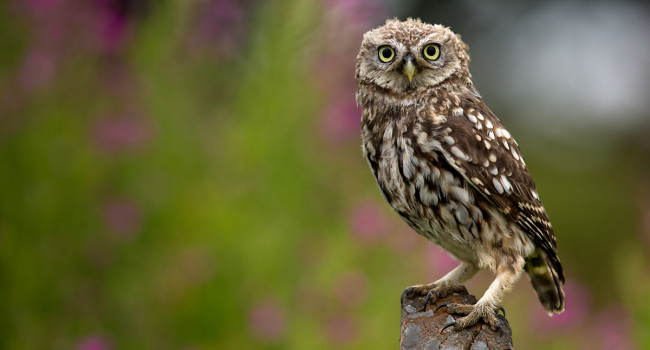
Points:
(403, 57)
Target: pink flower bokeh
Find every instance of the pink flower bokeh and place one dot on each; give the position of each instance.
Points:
(439, 261)
(121, 134)
(38, 68)
(367, 223)
(341, 120)
(613, 327)
(42, 7)
(219, 27)
(341, 330)
(267, 321)
(113, 25)
(351, 288)
(94, 342)
(122, 215)
(346, 21)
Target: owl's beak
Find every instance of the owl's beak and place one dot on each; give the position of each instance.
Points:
(409, 67)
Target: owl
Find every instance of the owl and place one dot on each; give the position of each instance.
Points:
(450, 169)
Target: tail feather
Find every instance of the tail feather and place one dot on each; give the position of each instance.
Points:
(546, 281)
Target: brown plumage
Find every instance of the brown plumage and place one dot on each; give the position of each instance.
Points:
(449, 168)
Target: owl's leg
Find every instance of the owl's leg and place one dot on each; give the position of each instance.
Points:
(508, 272)
(449, 284)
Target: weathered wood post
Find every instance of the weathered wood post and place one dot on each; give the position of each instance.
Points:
(421, 329)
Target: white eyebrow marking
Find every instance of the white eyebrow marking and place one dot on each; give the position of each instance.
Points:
(427, 39)
(399, 47)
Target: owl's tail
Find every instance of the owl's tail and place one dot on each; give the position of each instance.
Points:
(546, 281)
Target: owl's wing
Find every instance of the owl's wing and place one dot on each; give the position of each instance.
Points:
(480, 148)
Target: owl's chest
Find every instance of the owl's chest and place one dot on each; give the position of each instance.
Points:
(411, 179)
(390, 153)
(418, 184)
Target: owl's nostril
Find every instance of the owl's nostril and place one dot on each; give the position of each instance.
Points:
(408, 58)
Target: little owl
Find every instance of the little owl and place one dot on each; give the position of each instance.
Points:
(450, 169)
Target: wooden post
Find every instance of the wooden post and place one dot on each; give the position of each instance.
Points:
(421, 329)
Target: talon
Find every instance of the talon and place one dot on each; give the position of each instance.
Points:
(441, 305)
(403, 297)
(502, 310)
(426, 301)
(448, 325)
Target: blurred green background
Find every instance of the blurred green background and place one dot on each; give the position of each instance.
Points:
(188, 174)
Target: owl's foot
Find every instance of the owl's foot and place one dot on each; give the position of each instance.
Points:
(433, 292)
(472, 314)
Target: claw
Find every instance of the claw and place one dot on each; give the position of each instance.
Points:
(407, 293)
(447, 326)
(503, 311)
(426, 301)
(441, 305)
(403, 297)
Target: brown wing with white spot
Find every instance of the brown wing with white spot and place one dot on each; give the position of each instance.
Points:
(485, 153)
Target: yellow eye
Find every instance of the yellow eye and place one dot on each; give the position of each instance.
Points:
(431, 52)
(386, 53)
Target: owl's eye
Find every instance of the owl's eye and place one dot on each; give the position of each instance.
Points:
(386, 53)
(431, 52)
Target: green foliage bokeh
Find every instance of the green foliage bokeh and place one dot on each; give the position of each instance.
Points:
(230, 220)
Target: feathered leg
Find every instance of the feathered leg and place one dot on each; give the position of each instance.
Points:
(450, 283)
(508, 272)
